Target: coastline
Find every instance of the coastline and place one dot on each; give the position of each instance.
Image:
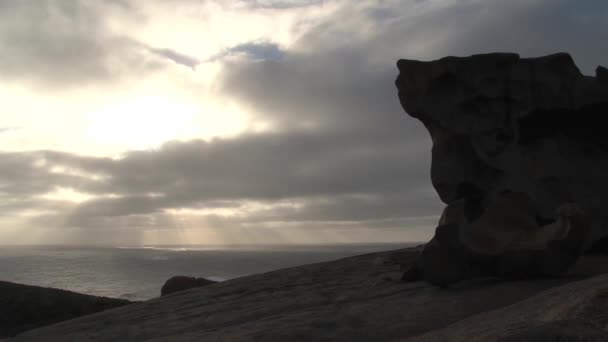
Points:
(351, 299)
(138, 273)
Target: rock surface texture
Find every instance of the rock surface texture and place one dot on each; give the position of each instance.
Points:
(180, 283)
(353, 299)
(519, 156)
(24, 307)
(572, 312)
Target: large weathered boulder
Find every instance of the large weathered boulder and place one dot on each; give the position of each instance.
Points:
(501, 125)
(180, 283)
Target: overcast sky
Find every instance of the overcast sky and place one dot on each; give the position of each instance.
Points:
(209, 122)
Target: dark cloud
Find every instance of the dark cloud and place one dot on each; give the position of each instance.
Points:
(338, 92)
(23, 176)
(530, 28)
(176, 57)
(62, 44)
(539, 28)
(281, 4)
(253, 50)
(330, 176)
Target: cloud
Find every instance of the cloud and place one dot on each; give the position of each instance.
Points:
(9, 129)
(340, 151)
(329, 181)
(282, 4)
(63, 44)
(176, 57)
(253, 50)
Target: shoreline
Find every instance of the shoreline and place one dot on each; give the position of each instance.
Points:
(354, 298)
(137, 274)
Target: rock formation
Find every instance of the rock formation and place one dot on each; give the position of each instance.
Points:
(25, 307)
(180, 283)
(504, 124)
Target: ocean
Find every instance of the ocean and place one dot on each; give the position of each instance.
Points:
(138, 273)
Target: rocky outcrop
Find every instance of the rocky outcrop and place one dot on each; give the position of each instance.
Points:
(353, 299)
(499, 123)
(502, 125)
(25, 307)
(180, 283)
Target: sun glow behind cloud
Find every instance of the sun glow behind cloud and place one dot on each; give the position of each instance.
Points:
(147, 122)
(173, 102)
(143, 116)
(67, 194)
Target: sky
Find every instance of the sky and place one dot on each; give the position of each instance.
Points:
(130, 122)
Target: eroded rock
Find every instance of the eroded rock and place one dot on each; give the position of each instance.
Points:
(504, 124)
(180, 283)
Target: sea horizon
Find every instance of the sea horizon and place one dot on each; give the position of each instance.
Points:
(137, 272)
(210, 244)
